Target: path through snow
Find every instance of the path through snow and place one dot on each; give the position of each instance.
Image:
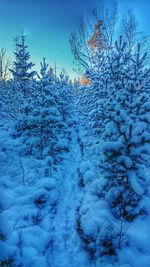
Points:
(64, 252)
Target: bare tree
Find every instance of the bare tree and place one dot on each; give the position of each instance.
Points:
(130, 29)
(109, 18)
(103, 21)
(5, 63)
(131, 33)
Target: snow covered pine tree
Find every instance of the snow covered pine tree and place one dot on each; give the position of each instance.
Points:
(21, 74)
(123, 159)
(41, 127)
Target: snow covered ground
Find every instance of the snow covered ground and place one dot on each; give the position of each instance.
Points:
(39, 210)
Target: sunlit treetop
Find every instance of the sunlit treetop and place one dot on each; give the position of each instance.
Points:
(98, 40)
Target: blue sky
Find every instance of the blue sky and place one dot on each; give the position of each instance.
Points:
(48, 24)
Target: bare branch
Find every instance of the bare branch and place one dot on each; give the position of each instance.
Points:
(5, 64)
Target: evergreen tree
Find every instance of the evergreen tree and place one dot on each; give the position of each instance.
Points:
(67, 95)
(126, 150)
(110, 79)
(41, 126)
(22, 73)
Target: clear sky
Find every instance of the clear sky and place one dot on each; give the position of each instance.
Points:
(48, 24)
